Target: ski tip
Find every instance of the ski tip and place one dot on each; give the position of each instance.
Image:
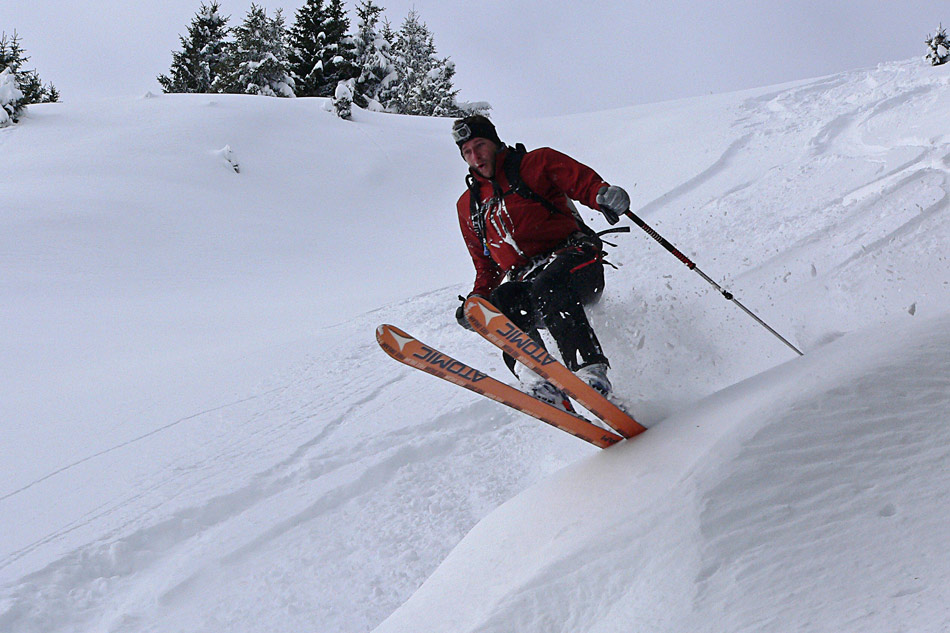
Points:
(385, 335)
(385, 328)
(392, 339)
(383, 331)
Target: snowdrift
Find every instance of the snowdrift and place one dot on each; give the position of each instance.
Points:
(811, 497)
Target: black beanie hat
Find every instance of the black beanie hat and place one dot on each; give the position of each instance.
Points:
(474, 126)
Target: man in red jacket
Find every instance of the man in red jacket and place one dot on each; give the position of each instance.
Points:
(534, 259)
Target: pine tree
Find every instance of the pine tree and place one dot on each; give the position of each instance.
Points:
(410, 54)
(201, 60)
(19, 87)
(343, 98)
(442, 95)
(388, 33)
(939, 47)
(424, 82)
(339, 63)
(306, 49)
(390, 85)
(373, 58)
(11, 97)
(258, 62)
(322, 54)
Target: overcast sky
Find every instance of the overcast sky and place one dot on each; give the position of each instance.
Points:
(524, 57)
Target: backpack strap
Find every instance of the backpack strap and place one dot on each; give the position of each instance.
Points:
(512, 167)
(478, 215)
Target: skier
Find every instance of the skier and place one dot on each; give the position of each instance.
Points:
(535, 260)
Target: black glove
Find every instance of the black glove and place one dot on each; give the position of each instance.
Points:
(460, 315)
(613, 202)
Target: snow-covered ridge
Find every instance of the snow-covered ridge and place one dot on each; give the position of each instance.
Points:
(189, 443)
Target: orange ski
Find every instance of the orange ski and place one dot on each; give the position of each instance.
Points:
(414, 353)
(488, 321)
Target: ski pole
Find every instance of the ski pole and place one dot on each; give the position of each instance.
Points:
(692, 266)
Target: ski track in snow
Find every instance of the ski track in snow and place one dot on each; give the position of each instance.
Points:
(116, 447)
(317, 483)
(718, 167)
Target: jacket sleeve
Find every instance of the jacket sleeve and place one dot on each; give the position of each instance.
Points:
(487, 273)
(570, 177)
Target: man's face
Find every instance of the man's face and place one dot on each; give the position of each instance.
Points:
(479, 153)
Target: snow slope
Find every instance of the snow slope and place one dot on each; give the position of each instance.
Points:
(812, 497)
(199, 434)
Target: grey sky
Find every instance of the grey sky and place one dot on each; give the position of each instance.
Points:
(525, 57)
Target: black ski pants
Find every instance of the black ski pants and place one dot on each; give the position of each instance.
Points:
(553, 296)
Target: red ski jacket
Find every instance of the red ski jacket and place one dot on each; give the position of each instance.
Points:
(518, 229)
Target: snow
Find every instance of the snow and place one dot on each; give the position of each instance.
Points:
(199, 432)
(344, 90)
(805, 498)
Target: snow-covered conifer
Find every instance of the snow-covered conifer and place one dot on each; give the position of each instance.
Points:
(340, 61)
(11, 98)
(424, 82)
(307, 37)
(412, 50)
(19, 87)
(52, 94)
(442, 94)
(467, 108)
(258, 62)
(203, 54)
(939, 47)
(343, 98)
(373, 57)
(321, 52)
(388, 33)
